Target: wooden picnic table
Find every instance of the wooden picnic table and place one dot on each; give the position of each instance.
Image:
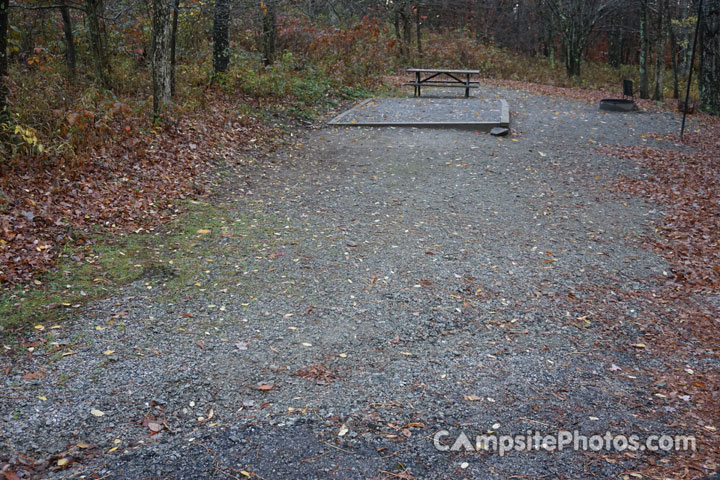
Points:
(432, 79)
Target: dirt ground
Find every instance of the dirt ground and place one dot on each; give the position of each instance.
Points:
(367, 289)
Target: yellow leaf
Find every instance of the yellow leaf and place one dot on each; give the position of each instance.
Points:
(39, 327)
(42, 398)
(108, 352)
(203, 231)
(245, 474)
(97, 413)
(639, 345)
(62, 462)
(112, 449)
(343, 355)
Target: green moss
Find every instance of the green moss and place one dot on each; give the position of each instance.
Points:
(194, 253)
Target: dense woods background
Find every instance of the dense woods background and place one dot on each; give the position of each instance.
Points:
(58, 55)
(100, 99)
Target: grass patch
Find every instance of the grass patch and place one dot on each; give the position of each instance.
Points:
(195, 251)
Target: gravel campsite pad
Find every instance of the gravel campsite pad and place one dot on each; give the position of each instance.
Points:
(482, 109)
(372, 287)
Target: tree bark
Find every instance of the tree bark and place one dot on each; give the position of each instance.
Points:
(660, 53)
(160, 56)
(644, 51)
(398, 33)
(173, 44)
(69, 38)
(269, 32)
(573, 59)
(221, 41)
(673, 55)
(418, 24)
(4, 6)
(407, 34)
(615, 43)
(95, 11)
(709, 75)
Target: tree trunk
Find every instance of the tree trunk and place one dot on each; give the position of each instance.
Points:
(221, 41)
(660, 53)
(69, 38)
(418, 24)
(573, 53)
(673, 55)
(709, 75)
(407, 34)
(4, 6)
(95, 10)
(173, 42)
(160, 56)
(269, 32)
(572, 63)
(615, 40)
(644, 52)
(398, 33)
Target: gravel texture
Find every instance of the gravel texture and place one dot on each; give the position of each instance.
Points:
(480, 108)
(402, 281)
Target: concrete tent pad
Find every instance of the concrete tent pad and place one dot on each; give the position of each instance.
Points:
(482, 114)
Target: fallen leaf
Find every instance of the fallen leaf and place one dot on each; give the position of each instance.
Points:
(155, 427)
(97, 413)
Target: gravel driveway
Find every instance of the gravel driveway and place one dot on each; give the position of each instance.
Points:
(399, 282)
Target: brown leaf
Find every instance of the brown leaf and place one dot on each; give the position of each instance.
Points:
(155, 427)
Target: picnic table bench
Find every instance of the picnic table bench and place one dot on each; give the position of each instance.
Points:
(438, 77)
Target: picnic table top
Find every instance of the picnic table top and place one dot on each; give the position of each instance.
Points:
(442, 70)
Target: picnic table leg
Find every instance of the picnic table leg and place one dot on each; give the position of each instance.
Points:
(467, 86)
(418, 93)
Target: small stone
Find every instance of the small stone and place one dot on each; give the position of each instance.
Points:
(499, 131)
